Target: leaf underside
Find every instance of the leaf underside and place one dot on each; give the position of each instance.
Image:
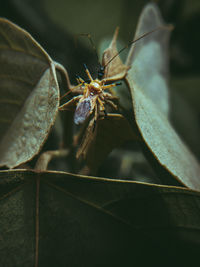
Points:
(29, 95)
(101, 221)
(147, 81)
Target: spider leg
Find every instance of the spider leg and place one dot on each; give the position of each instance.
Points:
(79, 79)
(104, 87)
(71, 103)
(74, 89)
(88, 73)
(101, 103)
(110, 97)
(111, 104)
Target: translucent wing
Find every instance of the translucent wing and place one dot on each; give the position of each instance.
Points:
(84, 109)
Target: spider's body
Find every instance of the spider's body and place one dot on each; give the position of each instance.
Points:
(91, 98)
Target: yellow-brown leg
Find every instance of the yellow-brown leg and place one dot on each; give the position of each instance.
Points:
(74, 89)
(109, 102)
(88, 73)
(101, 103)
(69, 105)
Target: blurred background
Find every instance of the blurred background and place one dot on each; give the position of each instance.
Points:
(55, 25)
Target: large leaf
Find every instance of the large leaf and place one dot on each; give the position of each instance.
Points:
(147, 84)
(149, 59)
(29, 95)
(60, 219)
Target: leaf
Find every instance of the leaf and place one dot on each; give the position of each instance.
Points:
(61, 219)
(114, 68)
(149, 58)
(110, 132)
(29, 95)
(151, 111)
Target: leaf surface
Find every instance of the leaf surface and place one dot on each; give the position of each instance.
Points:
(148, 88)
(114, 68)
(29, 95)
(148, 57)
(59, 218)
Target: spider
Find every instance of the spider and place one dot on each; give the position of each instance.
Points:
(92, 95)
(92, 98)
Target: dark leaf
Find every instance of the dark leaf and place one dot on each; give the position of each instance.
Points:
(60, 219)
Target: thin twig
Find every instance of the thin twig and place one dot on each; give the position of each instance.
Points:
(46, 157)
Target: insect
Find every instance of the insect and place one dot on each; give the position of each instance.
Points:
(93, 98)
(93, 95)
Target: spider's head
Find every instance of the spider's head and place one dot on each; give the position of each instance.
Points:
(95, 86)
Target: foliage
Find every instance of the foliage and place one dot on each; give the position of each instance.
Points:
(73, 217)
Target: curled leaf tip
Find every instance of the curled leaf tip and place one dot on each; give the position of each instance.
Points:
(115, 36)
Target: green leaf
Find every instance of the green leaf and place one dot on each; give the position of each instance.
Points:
(29, 95)
(148, 57)
(151, 109)
(57, 218)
